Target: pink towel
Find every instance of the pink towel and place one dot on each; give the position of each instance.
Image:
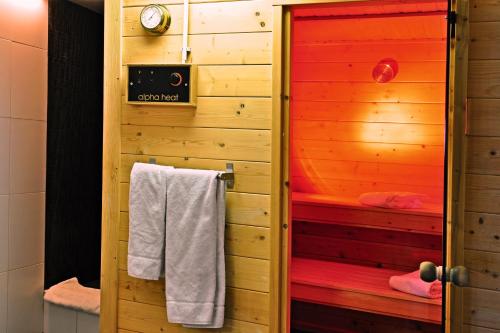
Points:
(399, 200)
(412, 284)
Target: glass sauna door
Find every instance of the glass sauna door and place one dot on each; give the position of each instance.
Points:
(367, 165)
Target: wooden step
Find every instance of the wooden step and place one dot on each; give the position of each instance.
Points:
(359, 288)
(348, 211)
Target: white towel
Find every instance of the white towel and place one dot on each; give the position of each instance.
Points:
(71, 294)
(194, 248)
(147, 204)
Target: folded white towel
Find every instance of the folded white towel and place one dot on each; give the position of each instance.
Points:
(147, 204)
(194, 248)
(71, 294)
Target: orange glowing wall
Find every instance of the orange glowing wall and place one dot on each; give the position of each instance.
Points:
(351, 135)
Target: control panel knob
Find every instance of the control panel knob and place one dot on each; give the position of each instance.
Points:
(175, 79)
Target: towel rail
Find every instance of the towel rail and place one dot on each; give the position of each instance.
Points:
(227, 176)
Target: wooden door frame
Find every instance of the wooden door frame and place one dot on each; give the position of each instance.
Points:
(457, 150)
(111, 166)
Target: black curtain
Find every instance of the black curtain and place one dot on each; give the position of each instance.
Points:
(74, 144)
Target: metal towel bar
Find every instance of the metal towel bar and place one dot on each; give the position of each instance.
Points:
(227, 176)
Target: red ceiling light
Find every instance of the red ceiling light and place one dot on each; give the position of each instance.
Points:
(385, 71)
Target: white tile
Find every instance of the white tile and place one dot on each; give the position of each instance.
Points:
(26, 229)
(4, 155)
(3, 302)
(58, 319)
(87, 323)
(25, 300)
(25, 21)
(5, 67)
(4, 233)
(27, 156)
(28, 82)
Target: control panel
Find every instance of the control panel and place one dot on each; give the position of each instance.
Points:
(161, 84)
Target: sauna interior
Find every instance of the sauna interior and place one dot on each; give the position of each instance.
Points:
(357, 130)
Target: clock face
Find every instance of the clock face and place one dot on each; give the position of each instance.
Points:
(151, 17)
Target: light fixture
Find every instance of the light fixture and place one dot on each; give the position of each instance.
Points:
(385, 71)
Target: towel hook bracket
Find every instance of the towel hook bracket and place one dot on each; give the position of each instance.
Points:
(228, 176)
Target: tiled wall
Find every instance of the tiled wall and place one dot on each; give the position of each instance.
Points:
(23, 76)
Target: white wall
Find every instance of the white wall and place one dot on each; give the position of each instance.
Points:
(23, 119)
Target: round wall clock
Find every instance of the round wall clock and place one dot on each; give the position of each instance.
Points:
(155, 18)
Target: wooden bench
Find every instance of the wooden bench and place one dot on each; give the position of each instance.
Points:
(344, 254)
(359, 288)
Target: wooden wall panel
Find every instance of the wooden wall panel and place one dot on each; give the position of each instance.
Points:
(212, 49)
(204, 18)
(231, 44)
(482, 218)
(226, 112)
(352, 135)
(145, 318)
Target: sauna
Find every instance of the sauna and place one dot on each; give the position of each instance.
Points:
(366, 163)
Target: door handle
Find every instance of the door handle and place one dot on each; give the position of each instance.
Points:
(458, 275)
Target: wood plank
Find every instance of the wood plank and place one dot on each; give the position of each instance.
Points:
(146, 318)
(484, 10)
(484, 269)
(484, 39)
(376, 218)
(394, 237)
(229, 81)
(484, 117)
(428, 71)
(207, 49)
(369, 152)
(372, 254)
(248, 241)
(241, 272)
(477, 329)
(247, 16)
(369, 28)
(325, 319)
(368, 132)
(369, 171)
(366, 290)
(481, 307)
(220, 112)
(246, 305)
(353, 188)
(411, 113)
(366, 8)
(250, 177)
(404, 51)
(246, 80)
(483, 155)
(483, 193)
(110, 168)
(484, 79)
(248, 273)
(279, 297)
(241, 240)
(241, 208)
(232, 144)
(482, 231)
(126, 331)
(371, 92)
